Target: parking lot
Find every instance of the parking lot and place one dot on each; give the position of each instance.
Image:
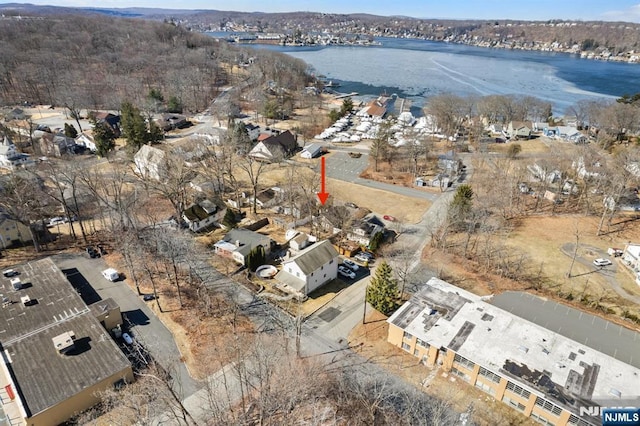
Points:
(147, 331)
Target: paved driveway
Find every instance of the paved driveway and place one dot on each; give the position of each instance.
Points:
(85, 275)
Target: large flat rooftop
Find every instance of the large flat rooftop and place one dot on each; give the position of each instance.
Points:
(604, 336)
(550, 364)
(43, 376)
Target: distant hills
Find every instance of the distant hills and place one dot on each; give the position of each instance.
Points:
(606, 40)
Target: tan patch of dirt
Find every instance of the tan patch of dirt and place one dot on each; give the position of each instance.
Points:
(406, 209)
(532, 146)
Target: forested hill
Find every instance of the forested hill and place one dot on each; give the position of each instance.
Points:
(561, 35)
(97, 62)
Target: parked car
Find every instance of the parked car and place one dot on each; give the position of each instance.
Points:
(389, 218)
(602, 262)
(361, 257)
(127, 338)
(346, 272)
(615, 252)
(351, 265)
(54, 221)
(111, 274)
(10, 273)
(148, 297)
(92, 252)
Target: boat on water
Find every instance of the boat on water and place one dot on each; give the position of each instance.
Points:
(331, 84)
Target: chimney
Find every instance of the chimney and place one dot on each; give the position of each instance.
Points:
(237, 243)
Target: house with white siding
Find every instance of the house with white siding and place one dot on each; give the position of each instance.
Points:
(312, 268)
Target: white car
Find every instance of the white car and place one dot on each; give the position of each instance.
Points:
(127, 339)
(346, 272)
(351, 265)
(362, 258)
(602, 262)
(111, 274)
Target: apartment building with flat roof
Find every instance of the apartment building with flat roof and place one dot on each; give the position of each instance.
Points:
(542, 373)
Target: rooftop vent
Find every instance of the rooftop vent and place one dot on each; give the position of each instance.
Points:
(26, 300)
(64, 342)
(16, 283)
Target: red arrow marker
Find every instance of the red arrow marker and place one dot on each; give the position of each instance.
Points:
(322, 195)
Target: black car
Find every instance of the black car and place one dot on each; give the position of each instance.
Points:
(102, 250)
(10, 273)
(92, 252)
(148, 297)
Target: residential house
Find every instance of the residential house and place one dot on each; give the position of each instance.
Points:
(568, 133)
(311, 151)
(267, 197)
(56, 145)
(111, 120)
(495, 128)
(311, 268)
(10, 157)
(276, 147)
(151, 162)
(299, 242)
(172, 121)
(86, 140)
(544, 366)
(253, 131)
(631, 258)
(363, 231)
(210, 135)
(203, 214)
(15, 114)
(12, 232)
(519, 130)
(205, 185)
(449, 163)
(239, 242)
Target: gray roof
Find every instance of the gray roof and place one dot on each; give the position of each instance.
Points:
(290, 280)
(248, 239)
(44, 377)
(150, 155)
(315, 256)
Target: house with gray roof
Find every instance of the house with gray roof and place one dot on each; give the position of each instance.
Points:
(312, 268)
(239, 242)
(151, 162)
(203, 214)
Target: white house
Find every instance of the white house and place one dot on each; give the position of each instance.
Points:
(519, 129)
(299, 242)
(312, 268)
(275, 147)
(86, 139)
(311, 151)
(203, 214)
(150, 162)
(10, 157)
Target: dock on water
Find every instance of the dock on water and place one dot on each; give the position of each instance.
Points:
(348, 95)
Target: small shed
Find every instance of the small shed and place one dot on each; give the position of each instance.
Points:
(311, 151)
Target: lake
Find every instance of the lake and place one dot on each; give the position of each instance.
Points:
(418, 69)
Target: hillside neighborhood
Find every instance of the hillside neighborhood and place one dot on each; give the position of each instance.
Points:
(472, 262)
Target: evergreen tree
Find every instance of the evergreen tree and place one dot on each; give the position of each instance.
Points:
(174, 105)
(70, 131)
(155, 133)
(240, 137)
(103, 137)
(229, 219)
(133, 126)
(374, 244)
(347, 107)
(461, 205)
(255, 258)
(382, 292)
